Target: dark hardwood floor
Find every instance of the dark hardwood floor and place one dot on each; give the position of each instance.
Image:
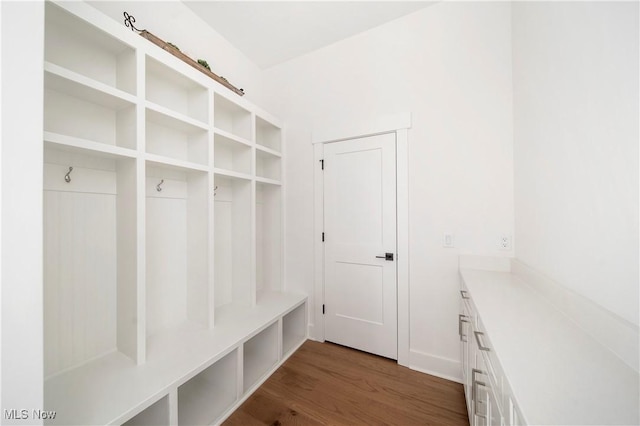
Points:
(327, 384)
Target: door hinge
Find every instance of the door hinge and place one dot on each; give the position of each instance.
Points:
(323, 237)
(323, 309)
(322, 164)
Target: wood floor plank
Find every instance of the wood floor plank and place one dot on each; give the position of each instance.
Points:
(407, 385)
(243, 418)
(327, 384)
(271, 409)
(404, 396)
(340, 406)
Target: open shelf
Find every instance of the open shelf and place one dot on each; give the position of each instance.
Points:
(90, 263)
(231, 174)
(208, 395)
(83, 146)
(260, 354)
(172, 163)
(75, 44)
(294, 329)
(177, 248)
(229, 154)
(232, 118)
(268, 181)
(156, 414)
(85, 112)
(76, 85)
(170, 137)
(268, 238)
(267, 165)
(232, 252)
(167, 117)
(268, 135)
(175, 91)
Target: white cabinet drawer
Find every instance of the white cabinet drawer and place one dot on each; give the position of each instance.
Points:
(483, 376)
(513, 416)
(492, 365)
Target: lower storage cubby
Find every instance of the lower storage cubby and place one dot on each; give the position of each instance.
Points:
(260, 355)
(204, 398)
(201, 372)
(156, 414)
(293, 329)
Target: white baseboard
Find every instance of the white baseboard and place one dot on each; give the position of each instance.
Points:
(444, 368)
(311, 334)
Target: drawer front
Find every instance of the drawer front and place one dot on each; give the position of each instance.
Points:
(492, 366)
(513, 416)
(467, 302)
(501, 408)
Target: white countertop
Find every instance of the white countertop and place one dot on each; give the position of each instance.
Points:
(558, 374)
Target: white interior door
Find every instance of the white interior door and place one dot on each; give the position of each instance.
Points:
(360, 230)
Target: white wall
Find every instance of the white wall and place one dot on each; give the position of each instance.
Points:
(576, 112)
(174, 22)
(450, 66)
(21, 191)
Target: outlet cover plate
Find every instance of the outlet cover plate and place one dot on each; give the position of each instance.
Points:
(505, 242)
(448, 241)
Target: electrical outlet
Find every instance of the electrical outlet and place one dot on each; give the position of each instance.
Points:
(505, 242)
(448, 241)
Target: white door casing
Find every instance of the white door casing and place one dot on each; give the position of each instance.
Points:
(333, 131)
(360, 229)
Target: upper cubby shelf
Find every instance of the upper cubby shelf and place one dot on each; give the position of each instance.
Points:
(264, 149)
(71, 144)
(73, 43)
(268, 135)
(73, 84)
(170, 136)
(267, 165)
(232, 118)
(175, 91)
(170, 118)
(174, 163)
(231, 155)
(78, 108)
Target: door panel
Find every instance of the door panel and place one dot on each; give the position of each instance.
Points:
(360, 282)
(358, 174)
(360, 224)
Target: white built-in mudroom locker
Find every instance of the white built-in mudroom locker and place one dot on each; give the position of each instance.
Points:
(450, 185)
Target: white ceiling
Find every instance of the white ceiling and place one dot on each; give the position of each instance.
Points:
(271, 32)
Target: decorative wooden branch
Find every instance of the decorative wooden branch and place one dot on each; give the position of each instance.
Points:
(178, 54)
